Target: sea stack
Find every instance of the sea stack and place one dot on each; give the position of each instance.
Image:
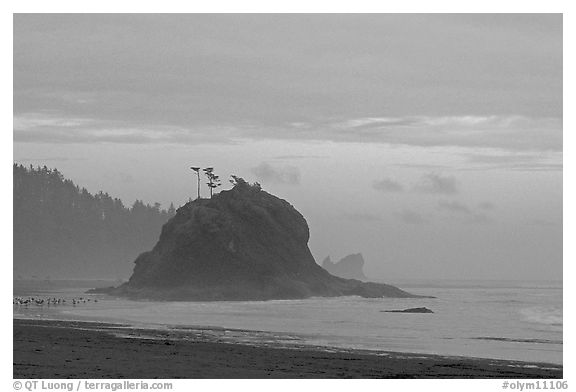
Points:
(350, 267)
(242, 244)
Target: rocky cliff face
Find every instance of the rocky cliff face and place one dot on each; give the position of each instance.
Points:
(243, 244)
(350, 267)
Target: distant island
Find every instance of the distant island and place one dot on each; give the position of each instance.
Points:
(349, 267)
(241, 244)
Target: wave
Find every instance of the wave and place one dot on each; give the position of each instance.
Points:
(543, 315)
(515, 340)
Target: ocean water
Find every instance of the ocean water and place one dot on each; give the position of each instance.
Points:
(501, 320)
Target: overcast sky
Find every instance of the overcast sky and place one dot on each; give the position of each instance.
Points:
(430, 143)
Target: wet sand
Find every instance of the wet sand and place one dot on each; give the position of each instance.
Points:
(67, 349)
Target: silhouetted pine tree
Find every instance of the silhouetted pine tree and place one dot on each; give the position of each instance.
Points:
(62, 230)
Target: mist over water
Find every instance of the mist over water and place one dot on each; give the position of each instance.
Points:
(504, 320)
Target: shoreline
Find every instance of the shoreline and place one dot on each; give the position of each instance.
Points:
(79, 349)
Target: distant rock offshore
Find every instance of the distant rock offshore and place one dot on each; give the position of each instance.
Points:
(243, 244)
(410, 310)
(350, 267)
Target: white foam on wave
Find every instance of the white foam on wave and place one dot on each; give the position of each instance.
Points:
(543, 315)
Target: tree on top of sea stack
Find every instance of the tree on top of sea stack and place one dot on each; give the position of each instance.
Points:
(213, 179)
(197, 170)
(242, 183)
(235, 180)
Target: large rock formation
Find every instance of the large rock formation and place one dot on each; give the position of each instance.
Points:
(243, 244)
(350, 267)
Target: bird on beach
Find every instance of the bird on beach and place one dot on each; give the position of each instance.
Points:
(50, 301)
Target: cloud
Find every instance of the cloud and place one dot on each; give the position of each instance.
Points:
(126, 178)
(429, 166)
(436, 184)
(341, 46)
(412, 218)
(543, 161)
(544, 223)
(512, 133)
(330, 81)
(57, 128)
(486, 205)
(48, 159)
(497, 160)
(479, 219)
(291, 157)
(469, 216)
(363, 217)
(453, 206)
(387, 185)
(30, 121)
(277, 174)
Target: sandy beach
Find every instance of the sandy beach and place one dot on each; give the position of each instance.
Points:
(70, 349)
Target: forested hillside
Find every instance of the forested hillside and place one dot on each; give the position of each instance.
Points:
(64, 231)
